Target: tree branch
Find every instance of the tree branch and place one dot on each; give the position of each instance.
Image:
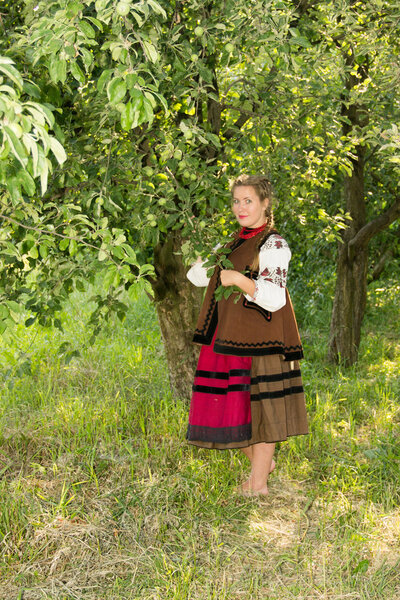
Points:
(54, 233)
(232, 131)
(387, 255)
(364, 235)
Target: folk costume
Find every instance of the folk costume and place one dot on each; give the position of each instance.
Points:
(248, 387)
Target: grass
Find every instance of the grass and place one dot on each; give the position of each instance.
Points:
(101, 498)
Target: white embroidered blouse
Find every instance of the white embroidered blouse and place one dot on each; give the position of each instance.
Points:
(274, 261)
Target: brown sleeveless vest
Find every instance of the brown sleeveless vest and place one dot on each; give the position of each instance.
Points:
(244, 328)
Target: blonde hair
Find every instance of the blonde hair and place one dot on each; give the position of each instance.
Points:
(263, 188)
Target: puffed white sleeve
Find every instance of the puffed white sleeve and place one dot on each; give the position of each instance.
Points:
(274, 261)
(197, 274)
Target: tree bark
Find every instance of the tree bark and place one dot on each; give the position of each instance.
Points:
(351, 271)
(351, 278)
(352, 262)
(177, 302)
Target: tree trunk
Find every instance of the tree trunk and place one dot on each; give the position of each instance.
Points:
(351, 274)
(352, 262)
(178, 303)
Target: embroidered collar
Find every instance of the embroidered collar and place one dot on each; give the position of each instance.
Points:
(247, 233)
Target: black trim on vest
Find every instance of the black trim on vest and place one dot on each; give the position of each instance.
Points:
(265, 313)
(205, 337)
(294, 355)
(235, 351)
(257, 349)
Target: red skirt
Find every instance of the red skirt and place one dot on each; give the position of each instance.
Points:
(220, 411)
(238, 401)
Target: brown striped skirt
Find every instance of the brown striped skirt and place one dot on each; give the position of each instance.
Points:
(277, 406)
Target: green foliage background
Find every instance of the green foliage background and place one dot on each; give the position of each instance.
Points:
(157, 105)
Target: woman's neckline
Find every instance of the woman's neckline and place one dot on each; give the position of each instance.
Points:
(248, 232)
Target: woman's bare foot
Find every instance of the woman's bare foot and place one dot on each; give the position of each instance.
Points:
(246, 488)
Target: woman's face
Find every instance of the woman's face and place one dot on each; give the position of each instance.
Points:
(247, 207)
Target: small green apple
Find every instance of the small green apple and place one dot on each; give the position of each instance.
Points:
(123, 8)
(198, 31)
(16, 128)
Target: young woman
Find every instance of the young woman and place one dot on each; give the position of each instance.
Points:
(247, 391)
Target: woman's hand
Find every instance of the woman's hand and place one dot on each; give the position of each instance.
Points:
(231, 277)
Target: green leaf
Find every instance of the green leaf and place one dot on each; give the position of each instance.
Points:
(16, 146)
(137, 105)
(95, 22)
(104, 78)
(87, 29)
(87, 57)
(32, 147)
(157, 8)
(76, 72)
(118, 252)
(4, 312)
(146, 270)
(63, 245)
(58, 150)
(116, 90)
(111, 277)
(33, 252)
(131, 80)
(300, 41)
(26, 181)
(73, 9)
(130, 254)
(12, 73)
(32, 89)
(127, 116)
(148, 110)
(73, 247)
(43, 250)
(151, 51)
(14, 306)
(44, 173)
(58, 70)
